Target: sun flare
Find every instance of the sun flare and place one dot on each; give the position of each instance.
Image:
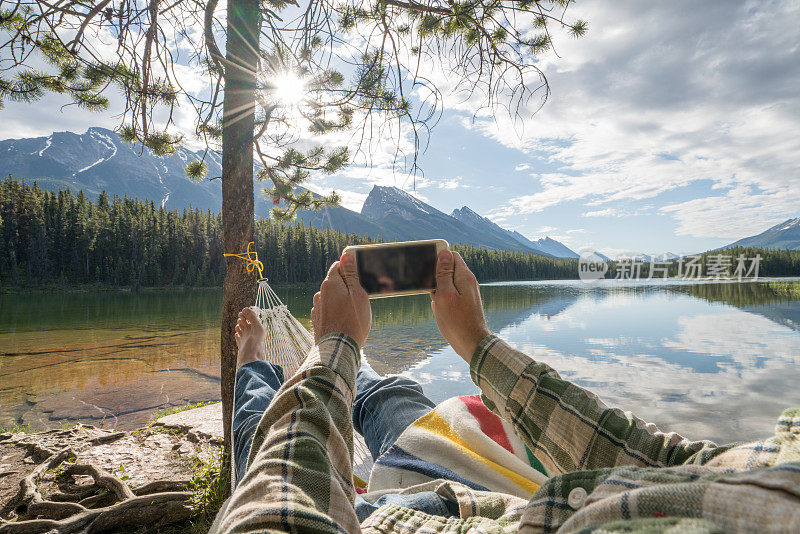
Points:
(289, 89)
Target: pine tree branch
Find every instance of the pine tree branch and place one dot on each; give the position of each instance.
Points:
(419, 8)
(78, 39)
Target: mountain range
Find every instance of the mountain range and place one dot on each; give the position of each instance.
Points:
(99, 160)
(783, 235)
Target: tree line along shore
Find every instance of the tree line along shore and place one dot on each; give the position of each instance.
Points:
(64, 239)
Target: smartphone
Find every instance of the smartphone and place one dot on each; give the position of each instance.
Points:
(404, 268)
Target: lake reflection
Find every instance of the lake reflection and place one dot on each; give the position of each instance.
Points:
(716, 361)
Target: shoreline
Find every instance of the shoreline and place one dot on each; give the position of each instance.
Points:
(89, 289)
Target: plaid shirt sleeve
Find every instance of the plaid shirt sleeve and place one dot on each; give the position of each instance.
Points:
(567, 427)
(299, 473)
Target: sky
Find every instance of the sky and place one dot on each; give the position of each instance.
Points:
(671, 126)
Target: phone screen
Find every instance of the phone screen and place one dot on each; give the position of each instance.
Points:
(402, 268)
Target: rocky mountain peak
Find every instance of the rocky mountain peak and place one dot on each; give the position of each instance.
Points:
(782, 235)
(387, 200)
(466, 214)
(788, 224)
(98, 160)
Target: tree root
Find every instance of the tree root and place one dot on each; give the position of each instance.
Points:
(154, 504)
(107, 438)
(28, 493)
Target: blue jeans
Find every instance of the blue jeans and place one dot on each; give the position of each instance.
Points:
(382, 409)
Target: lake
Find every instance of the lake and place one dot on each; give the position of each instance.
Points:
(708, 360)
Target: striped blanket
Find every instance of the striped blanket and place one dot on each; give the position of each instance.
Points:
(462, 441)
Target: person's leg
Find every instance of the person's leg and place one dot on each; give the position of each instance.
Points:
(257, 381)
(256, 385)
(384, 407)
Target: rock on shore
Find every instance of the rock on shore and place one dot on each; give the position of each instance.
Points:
(162, 456)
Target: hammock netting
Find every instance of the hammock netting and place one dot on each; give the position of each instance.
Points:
(287, 344)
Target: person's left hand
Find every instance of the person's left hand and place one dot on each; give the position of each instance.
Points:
(341, 304)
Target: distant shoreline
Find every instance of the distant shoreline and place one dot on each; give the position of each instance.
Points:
(85, 289)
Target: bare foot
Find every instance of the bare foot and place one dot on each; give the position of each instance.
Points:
(250, 337)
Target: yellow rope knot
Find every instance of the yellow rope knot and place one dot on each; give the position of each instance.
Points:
(251, 257)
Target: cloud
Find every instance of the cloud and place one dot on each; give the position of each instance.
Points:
(640, 108)
(754, 212)
(697, 100)
(501, 214)
(350, 200)
(453, 183)
(743, 386)
(608, 212)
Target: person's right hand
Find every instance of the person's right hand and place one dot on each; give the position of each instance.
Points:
(341, 305)
(456, 304)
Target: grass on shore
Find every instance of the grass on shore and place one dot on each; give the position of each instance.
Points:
(93, 288)
(210, 488)
(178, 409)
(786, 289)
(15, 428)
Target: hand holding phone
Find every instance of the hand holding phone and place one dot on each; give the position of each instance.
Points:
(341, 304)
(457, 305)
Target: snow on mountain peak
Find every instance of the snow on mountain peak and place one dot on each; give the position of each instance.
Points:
(467, 213)
(396, 199)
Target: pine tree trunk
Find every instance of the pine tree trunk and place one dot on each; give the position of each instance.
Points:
(238, 289)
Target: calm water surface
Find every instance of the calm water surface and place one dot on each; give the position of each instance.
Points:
(708, 360)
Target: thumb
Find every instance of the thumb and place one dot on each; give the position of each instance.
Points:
(347, 268)
(445, 267)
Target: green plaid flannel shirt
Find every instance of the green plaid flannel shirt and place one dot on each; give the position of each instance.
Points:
(611, 471)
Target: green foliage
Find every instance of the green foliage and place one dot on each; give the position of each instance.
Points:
(774, 262)
(209, 486)
(128, 134)
(739, 295)
(178, 409)
(62, 238)
(196, 170)
(290, 170)
(539, 44)
(11, 19)
(83, 83)
(490, 28)
(503, 265)
(119, 472)
(161, 143)
(484, 44)
(790, 290)
(16, 428)
(59, 237)
(158, 429)
(579, 28)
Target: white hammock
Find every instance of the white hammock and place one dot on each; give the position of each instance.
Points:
(288, 341)
(287, 344)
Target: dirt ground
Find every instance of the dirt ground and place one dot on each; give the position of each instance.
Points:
(162, 457)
